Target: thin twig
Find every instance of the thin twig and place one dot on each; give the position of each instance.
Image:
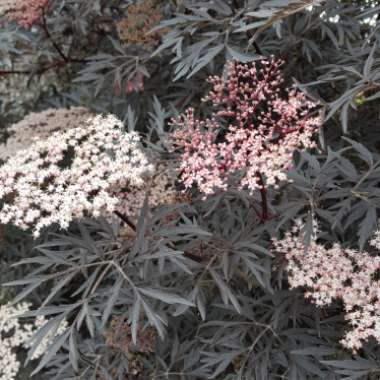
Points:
(48, 35)
(8, 72)
(126, 220)
(254, 43)
(65, 58)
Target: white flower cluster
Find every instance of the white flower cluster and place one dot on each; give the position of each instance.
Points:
(71, 174)
(15, 335)
(337, 273)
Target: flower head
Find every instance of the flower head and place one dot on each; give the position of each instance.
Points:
(336, 273)
(253, 132)
(71, 174)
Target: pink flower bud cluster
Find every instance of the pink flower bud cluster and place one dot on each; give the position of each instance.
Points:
(253, 132)
(25, 12)
(337, 273)
(71, 174)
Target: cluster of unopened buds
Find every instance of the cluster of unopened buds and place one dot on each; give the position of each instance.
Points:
(252, 134)
(336, 273)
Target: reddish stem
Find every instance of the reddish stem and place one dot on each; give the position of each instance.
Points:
(264, 199)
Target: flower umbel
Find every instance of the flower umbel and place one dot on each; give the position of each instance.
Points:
(71, 174)
(252, 134)
(337, 273)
